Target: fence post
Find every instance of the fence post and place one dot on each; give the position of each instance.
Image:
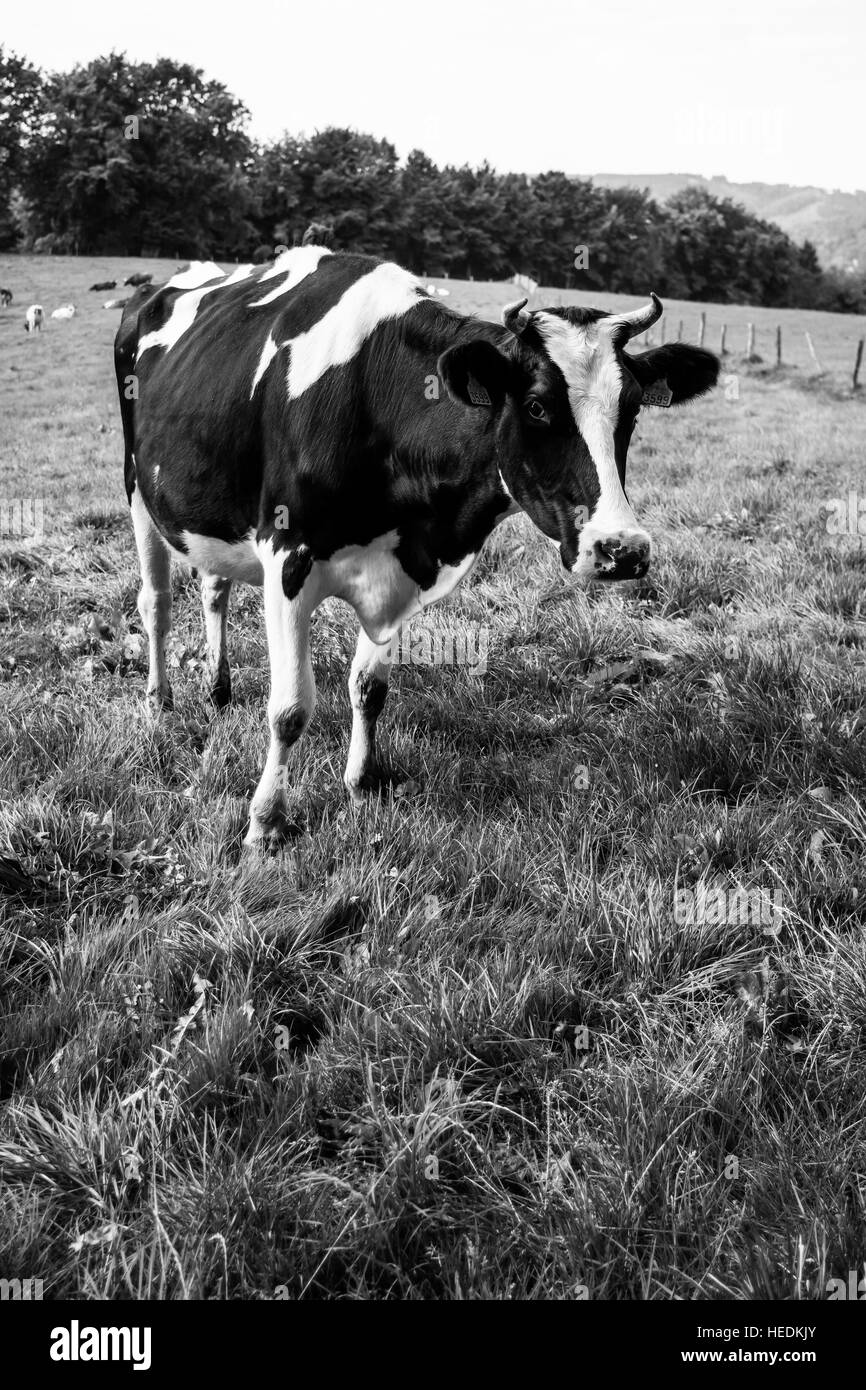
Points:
(722, 340)
(779, 346)
(750, 342)
(702, 328)
(814, 355)
(857, 360)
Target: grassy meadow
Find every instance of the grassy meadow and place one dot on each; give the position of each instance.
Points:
(456, 1044)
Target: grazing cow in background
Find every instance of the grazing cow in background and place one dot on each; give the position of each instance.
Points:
(34, 318)
(104, 285)
(138, 279)
(65, 311)
(5, 298)
(287, 429)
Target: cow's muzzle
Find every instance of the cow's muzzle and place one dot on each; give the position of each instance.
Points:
(621, 555)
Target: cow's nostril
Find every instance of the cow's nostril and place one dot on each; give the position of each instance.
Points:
(624, 555)
(611, 546)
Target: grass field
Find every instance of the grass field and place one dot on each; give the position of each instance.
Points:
(458, 1044)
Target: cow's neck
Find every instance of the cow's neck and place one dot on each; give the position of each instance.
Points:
(449, 448)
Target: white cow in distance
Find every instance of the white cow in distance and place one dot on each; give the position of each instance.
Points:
(34, 318)
(64, 311)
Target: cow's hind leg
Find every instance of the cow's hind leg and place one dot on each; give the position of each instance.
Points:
(368, 687)
(154, 600)
(290, 594)
(215, 602)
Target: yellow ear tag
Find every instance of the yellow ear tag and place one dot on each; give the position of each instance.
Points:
(659, 393)
(476, 392)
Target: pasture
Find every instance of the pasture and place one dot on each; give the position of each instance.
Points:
(464, 1042)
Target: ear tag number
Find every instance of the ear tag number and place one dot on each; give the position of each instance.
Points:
(476, 392)
(659, 393)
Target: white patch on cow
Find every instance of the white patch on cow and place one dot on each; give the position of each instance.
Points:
(513, 508)
(593, 377)
(385, 293)
(228, 559)
(269, 352)
(296, 265)
(197, 273)
(184, 310)
(373, 581)
(447, 579)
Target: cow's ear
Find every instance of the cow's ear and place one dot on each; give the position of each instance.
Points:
(682, 370)
(476, 373)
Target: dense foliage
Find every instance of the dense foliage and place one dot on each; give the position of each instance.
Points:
(154, 159)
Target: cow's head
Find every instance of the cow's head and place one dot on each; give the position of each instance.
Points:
(565, 395)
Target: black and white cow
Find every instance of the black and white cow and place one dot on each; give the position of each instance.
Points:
(285, 426)
(5, 298)
(34, 319)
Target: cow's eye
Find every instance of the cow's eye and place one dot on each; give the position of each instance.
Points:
(536, 410)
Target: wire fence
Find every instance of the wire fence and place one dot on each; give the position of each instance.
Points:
(819, 353)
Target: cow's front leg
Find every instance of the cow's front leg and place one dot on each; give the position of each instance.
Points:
(215, 603)
(368, 687)
(288, 608)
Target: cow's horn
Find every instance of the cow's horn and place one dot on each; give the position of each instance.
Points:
(516, 317)
(639, 320)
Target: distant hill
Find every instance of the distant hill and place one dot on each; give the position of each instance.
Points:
(834, 222)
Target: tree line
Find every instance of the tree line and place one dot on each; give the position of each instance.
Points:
(154, 159)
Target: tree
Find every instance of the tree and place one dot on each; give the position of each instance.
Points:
(425, 228)
(140, 157)
(20, 104)
(724, 253)
(338, 176)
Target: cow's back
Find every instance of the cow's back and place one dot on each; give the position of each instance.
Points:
(216, 378)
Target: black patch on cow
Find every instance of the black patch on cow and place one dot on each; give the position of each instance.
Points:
(296, 567)
(371, 692)
(289, 726)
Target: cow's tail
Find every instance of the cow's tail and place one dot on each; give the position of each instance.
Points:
(125, 347)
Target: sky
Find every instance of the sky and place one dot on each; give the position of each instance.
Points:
(764, 90)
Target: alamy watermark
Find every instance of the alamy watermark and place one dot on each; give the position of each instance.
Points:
(845, 516)
(21, 1290)
(22, 516)
(713, 904)
(423, 646)
(854, 1290)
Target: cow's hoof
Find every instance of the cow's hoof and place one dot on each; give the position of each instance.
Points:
(266, 838)
(381, 782)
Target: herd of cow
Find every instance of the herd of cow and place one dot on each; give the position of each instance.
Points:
(34, 317)
(324, 426)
